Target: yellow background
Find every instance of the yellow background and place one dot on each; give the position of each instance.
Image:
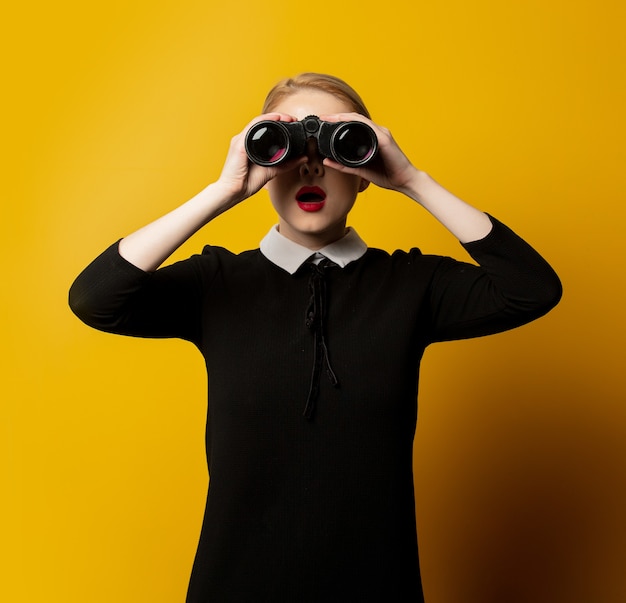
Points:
(114, 112)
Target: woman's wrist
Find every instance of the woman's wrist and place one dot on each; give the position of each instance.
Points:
(416, 185)
(218, 197)
(464, 221)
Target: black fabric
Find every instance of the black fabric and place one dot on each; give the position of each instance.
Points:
(317, 508)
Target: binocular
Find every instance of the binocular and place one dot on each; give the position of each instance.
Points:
(351, 143)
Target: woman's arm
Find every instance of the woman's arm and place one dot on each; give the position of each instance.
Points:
(463, 220)
(393, 170)
(512, 285)
(122, 292)
(149, 246)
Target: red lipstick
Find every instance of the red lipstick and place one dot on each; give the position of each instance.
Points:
(311, 198)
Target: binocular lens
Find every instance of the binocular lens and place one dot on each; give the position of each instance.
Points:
(267, 143)
(354, 143)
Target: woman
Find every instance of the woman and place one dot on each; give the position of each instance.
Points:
(313, 344)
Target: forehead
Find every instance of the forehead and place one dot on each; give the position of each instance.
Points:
(311, 102)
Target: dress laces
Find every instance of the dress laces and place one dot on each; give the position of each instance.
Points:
(315, 322)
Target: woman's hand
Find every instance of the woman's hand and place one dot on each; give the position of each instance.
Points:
(149, 246)
(390, 169)
(240, 178)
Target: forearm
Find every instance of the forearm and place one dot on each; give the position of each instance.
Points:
(149, 246)
(464, 221)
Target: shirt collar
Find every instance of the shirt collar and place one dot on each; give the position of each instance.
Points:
(290, 255)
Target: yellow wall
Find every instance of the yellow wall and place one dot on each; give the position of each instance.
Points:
(114, 112)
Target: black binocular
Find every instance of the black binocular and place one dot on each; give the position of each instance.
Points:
(351, 143)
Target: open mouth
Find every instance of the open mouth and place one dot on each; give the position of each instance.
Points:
(310, 198)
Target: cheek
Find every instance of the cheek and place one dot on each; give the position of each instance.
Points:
(279, 185)
(278, 197)
(352, 186)
(273, 189)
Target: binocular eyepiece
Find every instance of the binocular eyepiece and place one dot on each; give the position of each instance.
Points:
(351, 143)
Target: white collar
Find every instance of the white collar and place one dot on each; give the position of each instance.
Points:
(289, 255)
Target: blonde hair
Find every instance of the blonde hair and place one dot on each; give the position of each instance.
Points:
(315, 81)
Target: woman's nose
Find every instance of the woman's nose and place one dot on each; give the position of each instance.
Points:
(313, 165)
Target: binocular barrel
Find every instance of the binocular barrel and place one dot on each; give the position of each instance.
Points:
(351, 143)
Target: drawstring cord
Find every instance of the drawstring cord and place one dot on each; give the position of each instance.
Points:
(315, 322)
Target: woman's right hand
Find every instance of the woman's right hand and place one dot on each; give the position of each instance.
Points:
(240, 178)
(149, 246)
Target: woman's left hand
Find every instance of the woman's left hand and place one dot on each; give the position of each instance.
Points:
(391, 168)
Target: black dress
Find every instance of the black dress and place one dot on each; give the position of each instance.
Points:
(313, 401)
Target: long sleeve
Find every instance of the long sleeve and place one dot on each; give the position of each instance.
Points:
(115, 296)
(511, 286)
